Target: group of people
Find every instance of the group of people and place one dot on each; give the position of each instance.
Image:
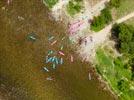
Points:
(84, 40)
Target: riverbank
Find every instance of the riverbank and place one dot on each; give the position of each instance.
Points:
(22, 60)
(92, 40)
(85, 16)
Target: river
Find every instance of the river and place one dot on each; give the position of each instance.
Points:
(21, 60)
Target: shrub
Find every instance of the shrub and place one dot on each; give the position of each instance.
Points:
(99, 22)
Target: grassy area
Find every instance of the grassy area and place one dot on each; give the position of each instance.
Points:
(74, 7)
(50, 3)
(104, 60)
(22, 60)
(118, 77)
(130, 22)
(126, 7)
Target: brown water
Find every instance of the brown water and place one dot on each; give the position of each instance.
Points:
(21, 60)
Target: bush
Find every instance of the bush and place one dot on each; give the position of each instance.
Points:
(99, 22)
(74, 7)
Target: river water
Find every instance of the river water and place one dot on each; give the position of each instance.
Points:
(21, 60)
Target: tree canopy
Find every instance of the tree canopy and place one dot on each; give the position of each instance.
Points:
(124, 34)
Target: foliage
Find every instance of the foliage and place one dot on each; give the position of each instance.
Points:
(50, 3)
(99, 22)
(103, 59)
(125, 36)
(125, 39)
(74, 7)
(113, 70)
(123, 85)
(118, 62)
(115, 3)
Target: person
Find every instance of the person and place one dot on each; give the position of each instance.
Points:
(91, 38)
(90, 21)
(85, 40)
(80, 40)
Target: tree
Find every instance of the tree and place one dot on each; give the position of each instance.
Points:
(124, 47)
(125, 34)
(125, 40)
(115, 31)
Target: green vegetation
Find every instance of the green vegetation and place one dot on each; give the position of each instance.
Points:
(124, 34)
(115, 3)
(119, 72)
(74, 7)
(50, 3)
(116, 74)
(105, 17)
(126, 7)
(104, 60)
(130, 22)
(100, 21)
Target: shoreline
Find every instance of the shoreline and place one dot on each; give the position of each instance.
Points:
(67, 19)
(90, 57)
(104, 85)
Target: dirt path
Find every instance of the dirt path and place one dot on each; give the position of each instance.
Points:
(125, 18)
(88, 51)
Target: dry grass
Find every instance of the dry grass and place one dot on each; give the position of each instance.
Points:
(93, 2)
(125, 8)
